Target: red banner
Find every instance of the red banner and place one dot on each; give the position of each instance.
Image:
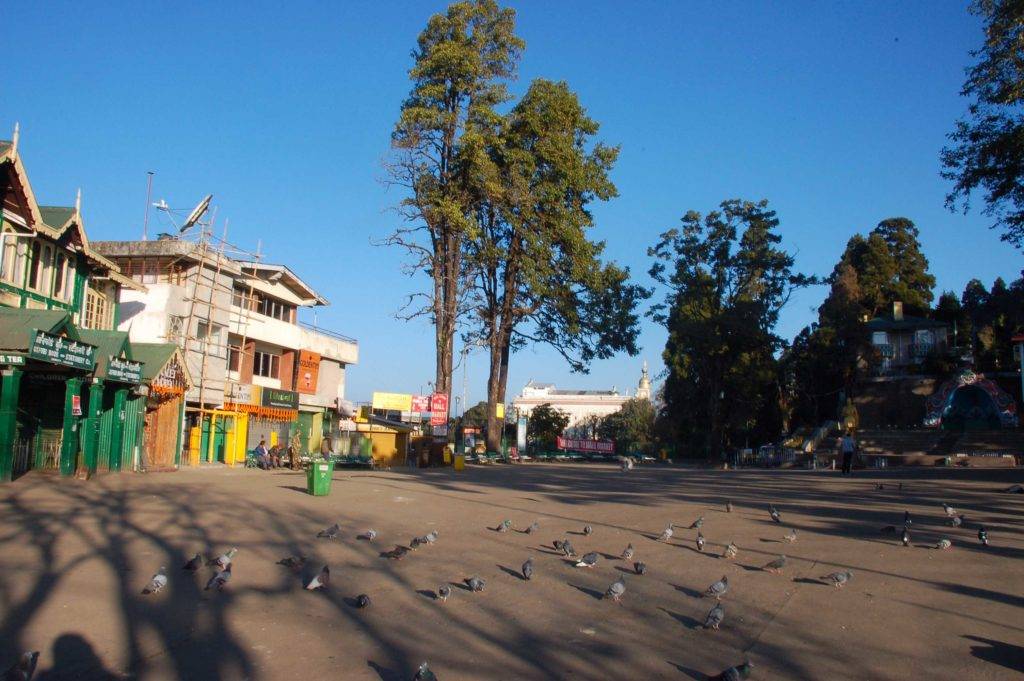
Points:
(600, 446)
(421, 403)
(438, 409)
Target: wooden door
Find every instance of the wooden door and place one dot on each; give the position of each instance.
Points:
(162, 434)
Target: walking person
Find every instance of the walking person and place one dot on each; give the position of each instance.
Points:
(848, 446)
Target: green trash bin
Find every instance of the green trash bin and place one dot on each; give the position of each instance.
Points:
(318, 478)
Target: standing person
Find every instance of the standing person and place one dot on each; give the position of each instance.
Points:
(848, 446)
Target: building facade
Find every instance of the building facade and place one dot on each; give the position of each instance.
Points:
(260, 374)
(582, 406)
(73, 396)
(904, 341)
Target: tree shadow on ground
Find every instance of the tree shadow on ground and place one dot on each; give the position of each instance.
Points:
(998, 652)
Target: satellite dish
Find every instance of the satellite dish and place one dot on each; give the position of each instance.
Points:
(196, 213)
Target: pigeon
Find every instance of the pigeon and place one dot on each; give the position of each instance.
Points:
(616, 590)
(397, 553)
(443, 592)
(906, 518)
(775, 565)
(719, 588)
(568, 550)
(740, 671)
(889, 529)
(534, 526)
(627, 554)
(24, 668)
(321, 580)
(700, 541)
(193, 565)
(730, 551)
(431, 536)
(221, 562)
(588, 530)
(697, 524)
(950, 511)
(330, 533)
(943, 544)
(905, 537)
(158, 582)
(417, 542)
(879, 486)
(958, 520)
(424, 674)
(475, 584)
(728, 506)
(640, 568)
(369, 535)
(791, 537)
(667, 534)
(627, 464)
(589, 560)
(838, 579)
(362, 601)
(774, 513)
(558, 544)
(715, 617)
(528, 569)
(983, 536)
(505, 526)
(219, 580)
(293, 563)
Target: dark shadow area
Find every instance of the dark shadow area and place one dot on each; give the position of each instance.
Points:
(385, 673)
(693, 593)
(294, 488)
(593, 593)
(515, 573)
(998, 652)
(427, 593)
(685, 620)
(808, 580)
(692, 673)
(74, 658)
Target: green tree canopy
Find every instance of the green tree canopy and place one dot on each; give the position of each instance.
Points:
(985, 153)
(631, 427)
(545, 424)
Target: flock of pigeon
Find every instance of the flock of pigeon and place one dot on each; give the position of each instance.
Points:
(220, 566)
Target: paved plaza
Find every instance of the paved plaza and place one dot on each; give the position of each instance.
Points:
(76, 555)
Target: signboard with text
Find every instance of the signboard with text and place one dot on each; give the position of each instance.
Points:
(124, 370)
(63, 351)
(392, 401)
(599, 446)
(438, 409)
(309, 371)
(421, 403)
(279, 399)
(8, 358)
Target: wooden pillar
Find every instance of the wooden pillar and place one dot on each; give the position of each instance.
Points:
(181, 428)
(245, 362)
(10, 387)
(92, 424)
(69, 437)
(117, 428)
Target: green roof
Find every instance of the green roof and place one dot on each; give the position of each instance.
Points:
(108, 343)
(56, 216)
(5, 145)
(154, 356)
(16, 326)
(908, 323)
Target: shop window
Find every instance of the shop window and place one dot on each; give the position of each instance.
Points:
(266, 364)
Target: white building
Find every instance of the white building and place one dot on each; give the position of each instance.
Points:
(581, 405)
(237, 323)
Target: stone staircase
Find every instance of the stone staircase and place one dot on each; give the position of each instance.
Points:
(920, 446)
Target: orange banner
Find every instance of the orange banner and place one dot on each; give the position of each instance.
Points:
(309, 371)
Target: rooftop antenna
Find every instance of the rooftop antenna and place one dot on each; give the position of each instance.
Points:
(149, 197)
(196, 213)
(78, 202)
(14, 138)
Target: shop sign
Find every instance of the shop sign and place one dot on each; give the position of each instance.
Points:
(76, 405)
(124, 370)
(440, 431)
(61, 350)
(600, 446)
(499, 410)
(421, 403)
(8, 358)
(279, 399)
(438, 409)
(242, 393)
(392, 401)
(309, 370)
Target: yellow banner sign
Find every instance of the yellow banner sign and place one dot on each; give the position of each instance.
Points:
(499, 410)
(392, 401)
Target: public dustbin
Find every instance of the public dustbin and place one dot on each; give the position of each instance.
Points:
(318, 478)
(460, 462)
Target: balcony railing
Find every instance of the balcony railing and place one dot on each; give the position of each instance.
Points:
(326, 332)
(921, 349)
(885, 350)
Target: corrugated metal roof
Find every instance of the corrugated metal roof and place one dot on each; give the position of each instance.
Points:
(56, 216)
(908, 323)
(16, 326)
(107, 343)
(153, 356)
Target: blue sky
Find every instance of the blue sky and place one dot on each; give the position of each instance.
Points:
(835, 112)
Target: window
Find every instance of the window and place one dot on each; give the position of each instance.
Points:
(234, 358)
(60, 281)
(175, 328)
(266, 364)
(97, 310)
(34, 265)
(212, 335)
(12, 260)
(45, 285)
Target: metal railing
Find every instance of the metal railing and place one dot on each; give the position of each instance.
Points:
(326, 332)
